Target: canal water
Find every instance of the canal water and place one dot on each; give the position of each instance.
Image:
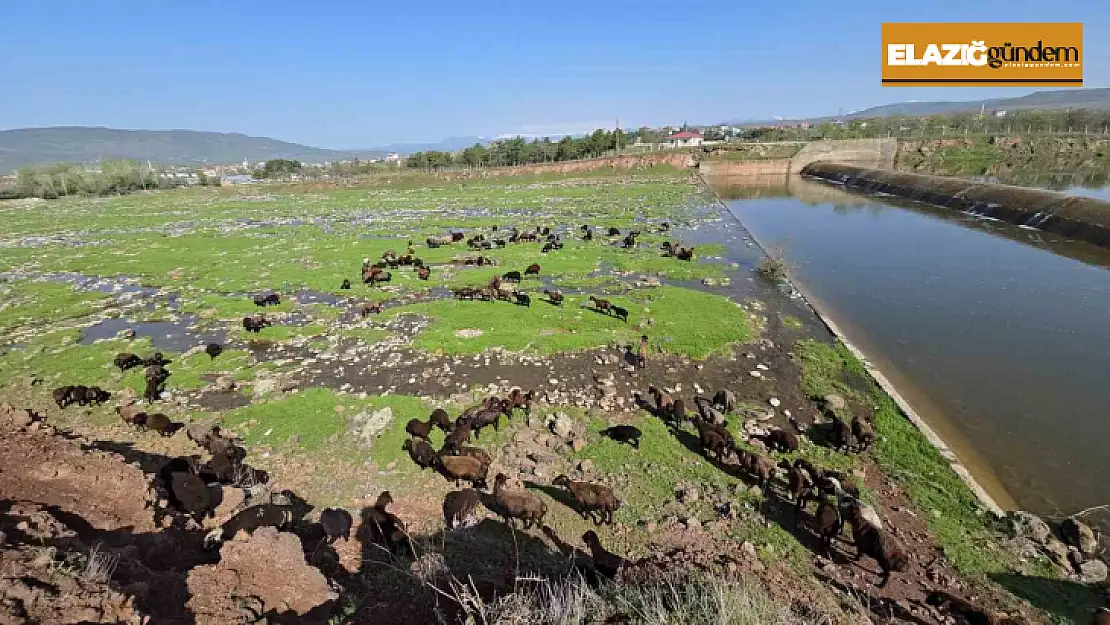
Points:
(999, 336)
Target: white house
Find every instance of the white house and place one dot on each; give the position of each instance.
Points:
(686, 138)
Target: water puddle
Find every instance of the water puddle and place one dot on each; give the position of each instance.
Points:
(164, 335)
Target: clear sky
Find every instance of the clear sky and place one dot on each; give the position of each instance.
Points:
(357, 73)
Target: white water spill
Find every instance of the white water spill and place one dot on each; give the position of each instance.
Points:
(1003, 332)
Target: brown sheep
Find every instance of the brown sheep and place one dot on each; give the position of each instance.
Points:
(839, 434)
(781, 440)
(370, 309)
(459, 508)
(758, 466)
(624, 434)
(159, 423)
(423, 273)
(459, 434)
(517, 504)
(532, 270)
(130, 412)
(127, 361)
(601, 304)
(420, 452)
(459, 468)
(714, 445)
(827, 524)
(664, 404)
(554, 297)
(442, 420)
(591, 498)
(863, 433)
(420, 429)
(876, 542)
(478, 454)
(608, 564)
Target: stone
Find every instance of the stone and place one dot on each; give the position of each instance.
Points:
(21, 418)
(687, 494)
(1079, 535)
(774, 401)
(1057, 551)
(373, 424)
(264, 386)
(578, 444)
(692, 523)
(225, 383)
(1030, 526)
(834, 402)
(1093, 571)
(560, 424)
(126, 334)
(755, 374)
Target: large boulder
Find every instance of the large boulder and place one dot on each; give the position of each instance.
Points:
(1030, 526)
(1093, 571)
(1079, 535)
(261, 574)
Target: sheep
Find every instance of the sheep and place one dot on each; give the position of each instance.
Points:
(459, 468)
(554, 297)
(547, 248)
(96, 395)
(839, 434)
(799, 482)
(213, 350)
(381, 277)
(589, 236)
(517, 504)
(726, 400)
(624, 434)
(679, 411)
(456, 237)
(255, 323)
(590, 499)
(423, 273)
(156, 360)
(219, 445)
(490, 415)
(523, 299)
(337, 524)
(189, 494)
(478, 454)
(127, 361)
(875, 541)
(827, 523)
(781, 440)
(628, 242)
(619, 313)
(863, 433)
(61, 396)
(420, 429)
(459, 508)
(600, 304)
(608, 564)
(684, 253)
(159, 423)
(131, 414)
(459, 434)
(270, 299)
(532, 270)
(511, 276)
(369, 309)
(714, 439)
(614, 232)
(641, 355)
(153, 391)
(499, 242)
(520, 400)
(758, 466)
(664, 404)
(265, 515)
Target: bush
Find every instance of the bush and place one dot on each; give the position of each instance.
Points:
(772, 268)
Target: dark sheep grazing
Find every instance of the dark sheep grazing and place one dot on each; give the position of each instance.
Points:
(523, 299)
(420, 452)
(269, 299)
(839, 434)
(758, 466)
(463, 468)
(157, 374)
(478, 454)
(345, 285)
(160, 423)
(591, 499)
(459, 434)
(606, 563)
(420, 429)
(255, 323)
(679, 411)
(459, 508)
(827, 524)
(336, 523)
(369, 309)
(863, 433)
(614, 232)
(189, 493)
(487, 416)
(715, 440)
(152, 392)
(781, 440)
(600, 304)
(380, 278)
(132, 414)
(499, 242)
(624, 434)
(517, 504)
(213, 350)
(799, 483)
(441, 419)
(619, 313)
(589, 236)
(554, 297)
(532, 270)
(457, 236)
(547, 248)
(265, 515)
(684, 253)
(94, 395)
(127, 361)
(511, 276)
(725, 400)
(519, 399)
(157, 360)
(876, 542)
(62, 396)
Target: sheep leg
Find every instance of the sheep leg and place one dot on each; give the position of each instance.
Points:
(885, 579)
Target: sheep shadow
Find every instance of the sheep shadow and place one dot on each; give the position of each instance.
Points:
(558, 494)
(883, 609)
(1073, 601)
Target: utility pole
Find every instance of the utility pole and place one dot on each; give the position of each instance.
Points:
(617, 136)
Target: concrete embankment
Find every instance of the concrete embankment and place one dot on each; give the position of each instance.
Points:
(1080, 218)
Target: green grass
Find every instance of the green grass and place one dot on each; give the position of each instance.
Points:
(277, 333)
(42, 303)
(310, 415)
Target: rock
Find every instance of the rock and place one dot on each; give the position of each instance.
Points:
(126, 334)
(1093, 571)
(1057, 551)
(230, 499)
(370, 425)
(20, 418)
(1078, 534)
(774, 401)
(687, 494)
(225, 383)
(578, 444)
(201, 430)
(755, 374)
(692, 523)
(264, 386)
(468, 333)
(267, 566)
(834, 402)
(1030, 526)
(560, 424)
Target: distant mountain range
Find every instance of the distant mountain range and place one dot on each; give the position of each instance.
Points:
(1063, 98)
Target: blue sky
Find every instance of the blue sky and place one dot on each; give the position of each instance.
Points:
(346, 74)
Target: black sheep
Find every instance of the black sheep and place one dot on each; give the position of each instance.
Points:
(624, 434)
(175, 465)
(420, 452)
(337, 524)
(459, 508)
(265, 515)
(153, 391)
(863, 433)
(781, 440)
(554, 297)
(96, 395)
(441, 419)
(213, 350)
(255, 323)
(190, 494)
(346, 286)
(523, 299)
(382, 526)
(614, 232)
(127, 361)
(608, 564)
(511, 276)
(619, 313)
(160, 423)
(270, 299)
(876, 542)
(828, 524)
(61, 396)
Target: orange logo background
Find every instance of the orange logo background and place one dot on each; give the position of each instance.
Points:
(976, 54)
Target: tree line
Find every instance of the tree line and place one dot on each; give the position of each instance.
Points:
(115, 177)
(520, 151)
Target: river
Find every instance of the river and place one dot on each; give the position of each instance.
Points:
(999, 336)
